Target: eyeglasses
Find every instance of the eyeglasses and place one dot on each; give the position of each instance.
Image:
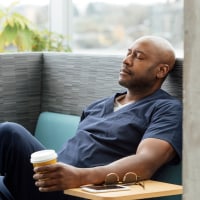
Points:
(130, 178)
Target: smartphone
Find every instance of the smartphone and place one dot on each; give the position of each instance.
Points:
(104, 188)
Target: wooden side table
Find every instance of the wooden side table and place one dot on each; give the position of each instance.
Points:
(152, 189)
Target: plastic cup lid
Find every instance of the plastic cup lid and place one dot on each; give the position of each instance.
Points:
(43, 156)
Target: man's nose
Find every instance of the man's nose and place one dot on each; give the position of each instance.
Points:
(127, 60)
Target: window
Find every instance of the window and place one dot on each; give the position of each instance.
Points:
(107, 26)
(111, 26)
(35, 10)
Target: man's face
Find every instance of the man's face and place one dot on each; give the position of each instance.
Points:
(139, 69)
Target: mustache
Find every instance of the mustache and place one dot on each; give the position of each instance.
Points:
(125, 69)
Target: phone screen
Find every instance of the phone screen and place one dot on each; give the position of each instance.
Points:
(104, 188)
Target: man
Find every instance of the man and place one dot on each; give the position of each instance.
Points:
(136, 131)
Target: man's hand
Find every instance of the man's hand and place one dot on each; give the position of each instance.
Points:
(56, 177)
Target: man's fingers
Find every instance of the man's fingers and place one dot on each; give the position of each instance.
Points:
(47, 185)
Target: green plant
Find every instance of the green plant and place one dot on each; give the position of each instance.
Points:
(49, 41)
(17, 31)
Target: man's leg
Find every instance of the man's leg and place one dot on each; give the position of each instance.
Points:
(16, 146)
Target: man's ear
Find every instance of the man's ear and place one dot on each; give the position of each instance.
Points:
(163, 70)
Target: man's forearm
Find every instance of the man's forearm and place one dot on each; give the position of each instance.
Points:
(96, 175)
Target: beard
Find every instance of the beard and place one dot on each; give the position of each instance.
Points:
(141, 84)
(138, 82)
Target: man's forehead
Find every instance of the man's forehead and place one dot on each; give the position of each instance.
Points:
(143, 46)
(142, 43)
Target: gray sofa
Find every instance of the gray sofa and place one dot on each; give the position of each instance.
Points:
(31, 83)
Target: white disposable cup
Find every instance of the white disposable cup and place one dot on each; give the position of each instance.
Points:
(43, 157)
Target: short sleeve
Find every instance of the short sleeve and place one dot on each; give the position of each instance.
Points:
(166, 124)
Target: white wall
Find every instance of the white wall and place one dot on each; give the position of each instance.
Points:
(191, 92)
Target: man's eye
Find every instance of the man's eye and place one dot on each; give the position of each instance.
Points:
(139, 56)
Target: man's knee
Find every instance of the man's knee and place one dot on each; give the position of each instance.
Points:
(7, 126)
(17, 138)
(13, 132)
(11, 128)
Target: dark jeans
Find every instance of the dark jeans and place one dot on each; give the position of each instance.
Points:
(16, 146)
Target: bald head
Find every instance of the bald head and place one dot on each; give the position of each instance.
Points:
(161, 48)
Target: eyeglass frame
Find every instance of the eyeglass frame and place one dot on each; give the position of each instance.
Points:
(124, 179)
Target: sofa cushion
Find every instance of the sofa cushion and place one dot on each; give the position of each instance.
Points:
(53, 129)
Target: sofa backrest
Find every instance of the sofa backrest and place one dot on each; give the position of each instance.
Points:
(20, 88)
(72, 81)
(173, 84)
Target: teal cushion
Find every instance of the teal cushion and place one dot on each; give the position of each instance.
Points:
(170, 174)
(53, 129)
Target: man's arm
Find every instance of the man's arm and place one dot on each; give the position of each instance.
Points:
(151, 154)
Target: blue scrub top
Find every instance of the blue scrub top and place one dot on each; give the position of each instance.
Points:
(104, 136)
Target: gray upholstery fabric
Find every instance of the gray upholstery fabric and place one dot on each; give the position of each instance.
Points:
(73, 81)
(173, 83)
(61, 82)
(20, 88)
